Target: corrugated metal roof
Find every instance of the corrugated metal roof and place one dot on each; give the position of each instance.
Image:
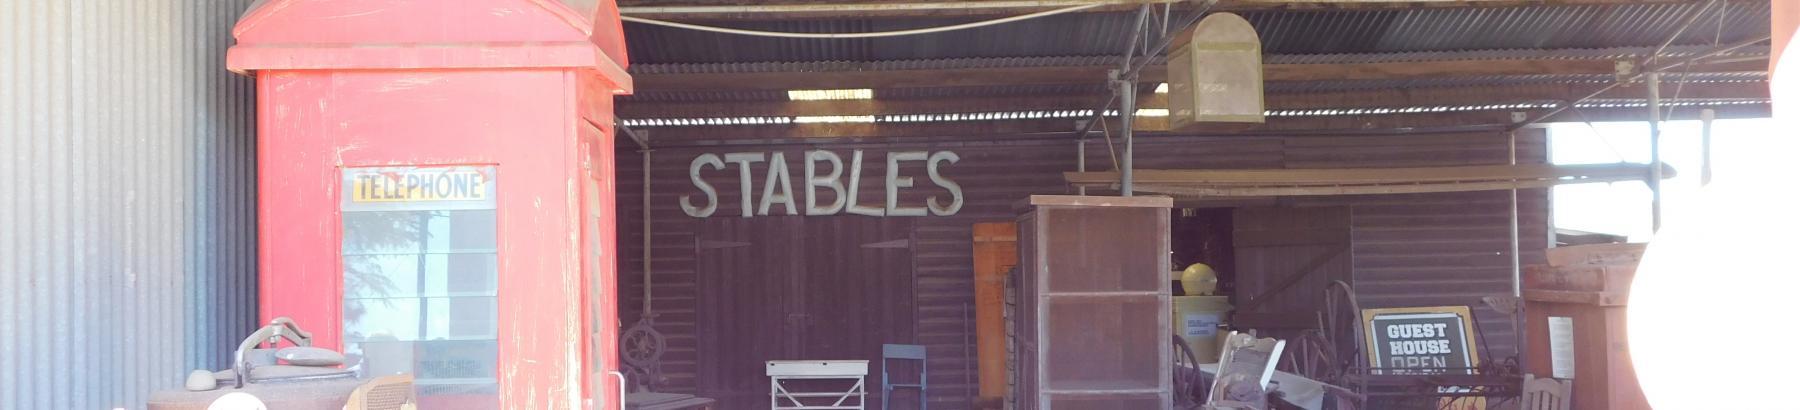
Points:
(1097, 89)
(127, 233)
(1283, 32)
(1068, 61)
(883, 94)
(1496, 80)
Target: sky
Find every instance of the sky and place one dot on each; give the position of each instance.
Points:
(1623, 208)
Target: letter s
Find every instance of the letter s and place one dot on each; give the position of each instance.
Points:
(956, 194)
(712, 196)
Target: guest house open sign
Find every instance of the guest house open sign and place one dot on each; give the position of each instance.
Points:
(1420, 340)
(823, 172)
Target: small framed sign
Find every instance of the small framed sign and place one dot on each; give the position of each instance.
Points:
(1420, 340)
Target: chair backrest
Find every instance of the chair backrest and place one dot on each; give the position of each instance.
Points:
(910, 352)
(384, 393)
(1545, 394)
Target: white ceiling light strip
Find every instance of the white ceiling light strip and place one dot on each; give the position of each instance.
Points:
(823, 95)
(1147, 112)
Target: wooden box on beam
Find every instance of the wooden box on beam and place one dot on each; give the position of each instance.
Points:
(1216, 76)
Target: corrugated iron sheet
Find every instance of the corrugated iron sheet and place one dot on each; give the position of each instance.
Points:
(1097, 87)
(126, 228)
(1098, 90)
(1441, 244)
(1609, 53)
(1282, 32)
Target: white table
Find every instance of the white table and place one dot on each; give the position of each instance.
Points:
(780, 397)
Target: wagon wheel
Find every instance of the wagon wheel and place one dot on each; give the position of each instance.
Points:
(1332, 353)
(1187, 384)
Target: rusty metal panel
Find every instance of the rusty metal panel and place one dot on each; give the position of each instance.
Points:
(127, 252)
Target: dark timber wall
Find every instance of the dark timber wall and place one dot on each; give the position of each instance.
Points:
(1407, 250)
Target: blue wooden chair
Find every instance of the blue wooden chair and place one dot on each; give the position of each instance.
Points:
(901, 352)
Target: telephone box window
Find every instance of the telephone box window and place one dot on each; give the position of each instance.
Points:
(420, 273)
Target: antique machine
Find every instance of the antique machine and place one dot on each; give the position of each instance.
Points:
(265, 373)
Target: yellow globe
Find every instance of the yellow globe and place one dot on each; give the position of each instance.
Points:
(1199, 280)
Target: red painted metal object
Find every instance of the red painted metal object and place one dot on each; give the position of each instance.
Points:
(355, 97)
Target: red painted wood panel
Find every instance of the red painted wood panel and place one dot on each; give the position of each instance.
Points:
(523, 121)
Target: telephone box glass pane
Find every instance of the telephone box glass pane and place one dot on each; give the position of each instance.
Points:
(420, 273)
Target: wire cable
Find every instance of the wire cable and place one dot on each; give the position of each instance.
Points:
(895, 33)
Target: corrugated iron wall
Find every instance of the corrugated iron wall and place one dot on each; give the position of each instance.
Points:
(126, 221)
(1436, 249)
(1449, 246)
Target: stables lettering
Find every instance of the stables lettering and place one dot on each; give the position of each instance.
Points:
(418, 185)
(825, 175)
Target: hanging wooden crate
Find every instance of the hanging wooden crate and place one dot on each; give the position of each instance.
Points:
(1216, 74)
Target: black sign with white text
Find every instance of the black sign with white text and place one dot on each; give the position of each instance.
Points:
(1419, 341)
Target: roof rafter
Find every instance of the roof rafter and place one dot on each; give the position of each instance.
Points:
(965, 77)
(782, 9)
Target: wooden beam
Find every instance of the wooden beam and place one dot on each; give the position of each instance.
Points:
(1179, 191)
(1363, 176)
(1382, 98)
(1005, 130)
(1001, 131)
(689, 10)
(853, 77)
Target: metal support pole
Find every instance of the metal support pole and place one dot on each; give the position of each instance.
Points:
(1125, 84)
(646, 311)
(1081, 159)
(1652, 82)
(642, 138)
(1512, 158)
(1518, 291)
(1706, 123)
(1127, 112)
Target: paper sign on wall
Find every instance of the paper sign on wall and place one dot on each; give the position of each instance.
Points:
(1562, 347)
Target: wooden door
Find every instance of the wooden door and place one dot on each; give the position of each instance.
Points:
(749, 272)
(996, 252)
(859, 295)
(859, 287)
(791, 288)
(1285, 258)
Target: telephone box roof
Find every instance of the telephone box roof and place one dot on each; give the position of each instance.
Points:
(415, 34)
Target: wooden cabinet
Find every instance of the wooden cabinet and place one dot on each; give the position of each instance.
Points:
(1094, 322)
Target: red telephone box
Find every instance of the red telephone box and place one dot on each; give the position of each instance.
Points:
(435, 190)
